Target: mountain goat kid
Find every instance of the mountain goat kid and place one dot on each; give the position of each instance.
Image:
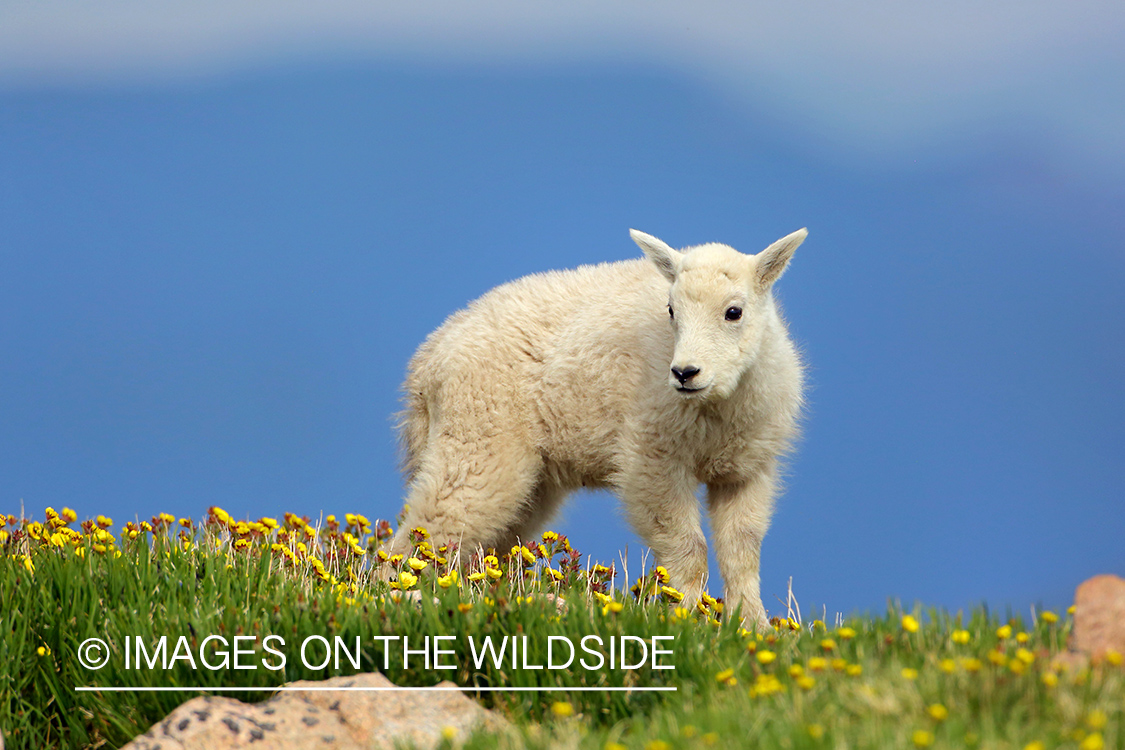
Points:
(647, 377)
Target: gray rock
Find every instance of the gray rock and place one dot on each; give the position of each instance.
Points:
(321, 719)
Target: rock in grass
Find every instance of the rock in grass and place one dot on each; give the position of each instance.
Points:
(322, 719)
(1099, 616)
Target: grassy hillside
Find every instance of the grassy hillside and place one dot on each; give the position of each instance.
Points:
(905, 679)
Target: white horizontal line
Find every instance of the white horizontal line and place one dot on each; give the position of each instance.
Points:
(434, 688)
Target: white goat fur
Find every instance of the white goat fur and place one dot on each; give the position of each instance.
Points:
(562, 380)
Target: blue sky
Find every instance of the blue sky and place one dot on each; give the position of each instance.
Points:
(222, 235)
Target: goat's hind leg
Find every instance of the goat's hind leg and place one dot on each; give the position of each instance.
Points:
(473, 491)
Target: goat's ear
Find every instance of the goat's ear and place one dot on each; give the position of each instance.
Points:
(662, 256)
(771, 262)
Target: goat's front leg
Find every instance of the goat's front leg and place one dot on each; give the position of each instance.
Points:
(665, 514)
(740, 515)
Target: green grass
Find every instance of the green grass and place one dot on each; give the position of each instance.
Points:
(994, 689)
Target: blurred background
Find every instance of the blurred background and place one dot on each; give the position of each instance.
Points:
(224, 228)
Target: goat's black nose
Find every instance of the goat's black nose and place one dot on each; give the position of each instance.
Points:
(685, 374)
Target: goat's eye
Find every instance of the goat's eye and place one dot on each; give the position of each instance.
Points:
(734, 313)
(671, 312)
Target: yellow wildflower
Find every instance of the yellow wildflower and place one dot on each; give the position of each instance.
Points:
(947, 665)
(493, 573)
(1004, 632)
(839, 664)
(613, 607)
(43, 650)
(971, 665)
(922, 738)
(671, 593)
(1113, 657)
(69, 515)
(960, 636)
(1027, 657)
(1050, 679)
(407, 579)
(726, 677)
(1093, 741)
(805, 682)
(910, 674)
(817, 664)
(416, 564)
(845, 634)
(1048, 617)
(910, 624)
(766, 657)
(766, 684)
(828, 644)
(464, 607)
(562, 709)
(1022, 637)
(1096, 720)
(938, 712)
(854, 670)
